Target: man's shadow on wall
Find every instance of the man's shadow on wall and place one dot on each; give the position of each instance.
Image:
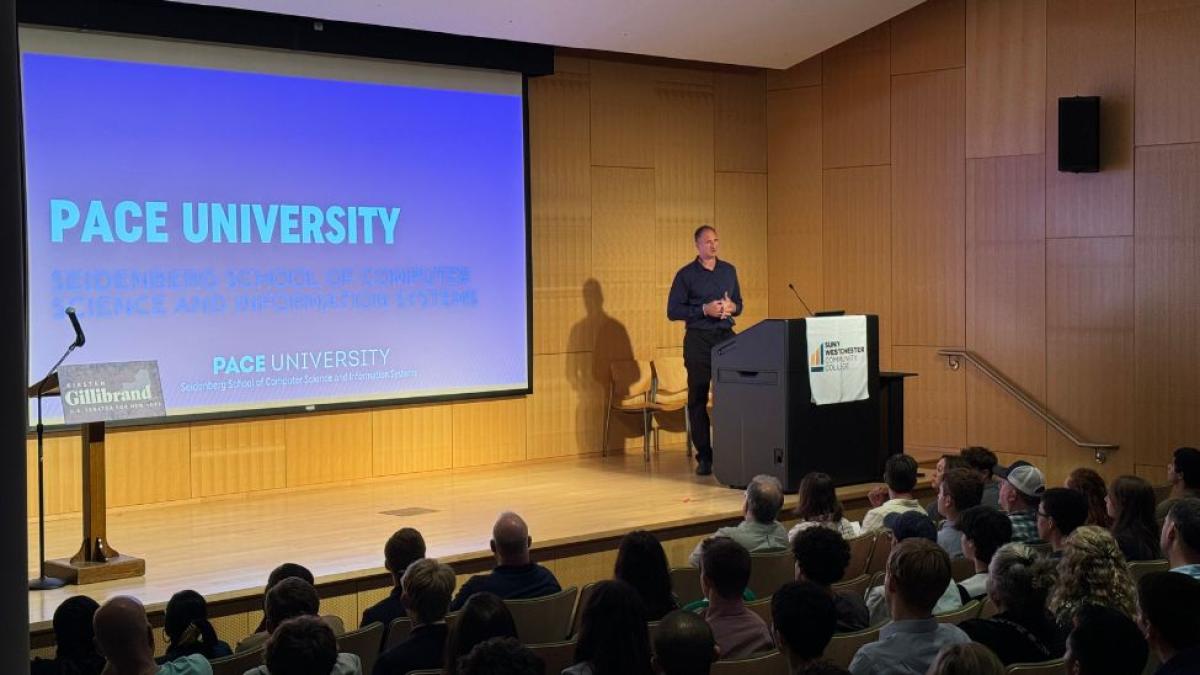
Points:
(595, 342)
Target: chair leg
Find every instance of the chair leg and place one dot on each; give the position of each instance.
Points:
(646, 434)
(607, 419)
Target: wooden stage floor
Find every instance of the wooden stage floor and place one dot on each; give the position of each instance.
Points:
(225, 547)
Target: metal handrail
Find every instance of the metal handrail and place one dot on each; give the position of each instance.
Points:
(952, 359)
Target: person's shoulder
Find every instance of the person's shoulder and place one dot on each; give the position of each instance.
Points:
(348, 664)
(952, 634)
(194, 664)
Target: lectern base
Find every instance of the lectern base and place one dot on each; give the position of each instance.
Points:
(82, 573)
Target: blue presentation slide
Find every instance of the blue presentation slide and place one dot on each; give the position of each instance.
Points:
(272, 240)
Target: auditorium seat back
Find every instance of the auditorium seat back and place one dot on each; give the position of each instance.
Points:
(364, 642)
(770, 663)
(769, 571)
(761, 607)
(844, 646)
(880, 552)
(856, 586)
(685, 582)
(546, 619)
(860, 554)
(1141, 568)
(577, 618)
(967, 611)
(238, 664)
(556, 655)
(1055, 667)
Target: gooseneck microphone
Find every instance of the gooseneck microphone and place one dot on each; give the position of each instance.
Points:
(794, 292)
(79, 338)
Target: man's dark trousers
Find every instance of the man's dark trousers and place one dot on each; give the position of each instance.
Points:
(697, 358)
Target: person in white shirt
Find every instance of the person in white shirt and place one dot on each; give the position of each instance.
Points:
(817, 505)
(900, 476)
(911, 525)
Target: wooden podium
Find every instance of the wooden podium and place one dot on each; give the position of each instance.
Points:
(96, 559)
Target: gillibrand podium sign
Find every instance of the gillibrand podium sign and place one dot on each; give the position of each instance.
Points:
(107, 392)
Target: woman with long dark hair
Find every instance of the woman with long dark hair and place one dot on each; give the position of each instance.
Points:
(818, 505)
(642, 563)
(613, 637)
(188, 629)
(485, 616)
(1092, 485)
(75, 645)
(1131, 504)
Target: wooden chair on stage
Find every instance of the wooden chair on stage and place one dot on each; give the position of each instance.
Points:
(685, 582)
(769, 571)
(364, 642)
(844, 646)
(670, 393)
(238, 664)
(856, 586)
(629, 388)
(967, 611)
(860, 553)
(577, 617)
(556, 655)
(770, 663)
(546, 619)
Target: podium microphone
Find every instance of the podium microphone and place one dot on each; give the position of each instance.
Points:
(794, 292)
(79, 338)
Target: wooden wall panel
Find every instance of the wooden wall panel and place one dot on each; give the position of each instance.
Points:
(741, 123)
(1006, 299)
(928, 232)
(1089, 349)
(413, 438)
(742, 223)
(794, 200)
(935, 411)
(683, 187)
(1168, 67)
(1090, 52)
(929, 37)
(489, 432)
(63, 474)
(565, 413)
(622, 110)
(623, 216)
(1168, 301)
(231, 457)
(857, 246)
(560, 192)
(328, 447)
(856, 87)
(1006, 77)
(804, 74)
(147, 465)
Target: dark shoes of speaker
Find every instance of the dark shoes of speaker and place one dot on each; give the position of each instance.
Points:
(703, 468)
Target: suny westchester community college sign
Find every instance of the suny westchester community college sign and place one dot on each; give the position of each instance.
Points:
(103, 392)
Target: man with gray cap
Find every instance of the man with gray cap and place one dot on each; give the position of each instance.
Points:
(759, 530)
(1021, 491)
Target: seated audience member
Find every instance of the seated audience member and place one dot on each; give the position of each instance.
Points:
(515, 576)
(290, 597)
(1183, 474)
(683, 645)
(818, 505)
(960, 489)
(821, 558)
(759, 529)
(803, 620)
(300, 572)
(305, 645)
(1170, 622)
(188, 631)
(900, 477)
(1061, 511)
(983, 462)
(944, 464)
(968, 659)
(1092, 485)
(1131, 505)
(642, 563)
(984, 530)
(724, 572)
(427, 587)
(1022, 631)
(917, 571)
(402, 548)
(501, 656)
(74, 641)
(1092, 571)
(485, 616)
(1020, 492)
(1105, 642)
(124, 638)
(911, 525)
(1181, 537)
(613, 636)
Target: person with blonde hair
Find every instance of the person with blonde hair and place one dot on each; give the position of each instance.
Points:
(1022, 630)
(1092, 571)
(969, 659)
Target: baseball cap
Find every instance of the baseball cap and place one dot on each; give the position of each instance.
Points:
(1025, 477)
(906, 524)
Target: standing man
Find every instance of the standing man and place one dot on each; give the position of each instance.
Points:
(705, 295)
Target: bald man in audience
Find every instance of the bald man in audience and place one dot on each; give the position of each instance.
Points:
(515, 575)
(124, 638)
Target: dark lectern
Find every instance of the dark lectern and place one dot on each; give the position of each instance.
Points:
(764, 421)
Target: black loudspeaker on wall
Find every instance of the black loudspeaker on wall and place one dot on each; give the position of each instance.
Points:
(1079, 134)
